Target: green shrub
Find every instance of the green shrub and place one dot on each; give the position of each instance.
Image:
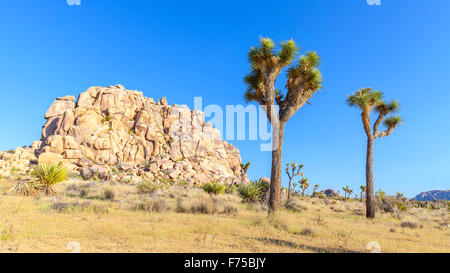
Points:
(146, 187)
(250, 192)
(214, 188)
(49, 175)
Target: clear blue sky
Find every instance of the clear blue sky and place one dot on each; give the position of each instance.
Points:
(182, 49)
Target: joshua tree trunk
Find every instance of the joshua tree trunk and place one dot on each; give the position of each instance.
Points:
(370, 203)
(289, 189)
(275, 177)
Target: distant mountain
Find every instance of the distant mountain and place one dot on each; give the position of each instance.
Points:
(432, 195)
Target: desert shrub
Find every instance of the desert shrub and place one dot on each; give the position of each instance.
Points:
(73, 189)
(230, 210)
(180, 208)
(408, 224)
(250, 192)
(205, 206)
(257, 206)
(157, 205)
(146, 165)
(49, 175)
(294, 205)
(278, 222)
(82, 205)
(146, 187)
(390, 204)
(214, 188)
(309, 232)
(59, 206)
(100, 209)
(109, 194)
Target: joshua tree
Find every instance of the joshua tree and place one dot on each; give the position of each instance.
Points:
(367, 100)
(292, 170)
(294, 185)
(347, 192)
(316, 187)
(304, 185)
(244, 169)
(363, 190)
(303, 80)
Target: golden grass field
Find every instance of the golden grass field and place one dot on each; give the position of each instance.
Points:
(164, 222)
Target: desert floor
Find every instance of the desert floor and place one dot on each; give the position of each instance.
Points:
(106, 217)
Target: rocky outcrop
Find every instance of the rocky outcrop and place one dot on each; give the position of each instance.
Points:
(112, 131)
(331, 193)
(433, 195)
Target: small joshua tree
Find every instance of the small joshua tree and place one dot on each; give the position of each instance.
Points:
(304, 185)
(367, 100)
(244, 170)
(315, 192)
(292, 170)
(363, 190)
(347, 192)
(399, 196)
(294, 185)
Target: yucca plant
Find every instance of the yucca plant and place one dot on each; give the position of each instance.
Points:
(250, 192)
(49, 175)
(214, 188)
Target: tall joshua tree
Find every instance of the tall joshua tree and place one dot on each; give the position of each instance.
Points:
(368, 100)
(303, 80)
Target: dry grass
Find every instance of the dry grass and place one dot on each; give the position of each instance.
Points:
(82, 213)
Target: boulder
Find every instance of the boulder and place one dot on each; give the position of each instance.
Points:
(58, 108)
(50, 158)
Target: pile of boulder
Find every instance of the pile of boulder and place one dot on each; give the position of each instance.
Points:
(118, 134)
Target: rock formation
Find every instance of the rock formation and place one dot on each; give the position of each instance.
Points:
(433, 195)
(116, 133)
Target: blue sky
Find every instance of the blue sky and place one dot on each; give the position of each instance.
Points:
(182, 49)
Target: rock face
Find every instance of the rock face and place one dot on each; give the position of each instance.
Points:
(433, 195)
(111, 129)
